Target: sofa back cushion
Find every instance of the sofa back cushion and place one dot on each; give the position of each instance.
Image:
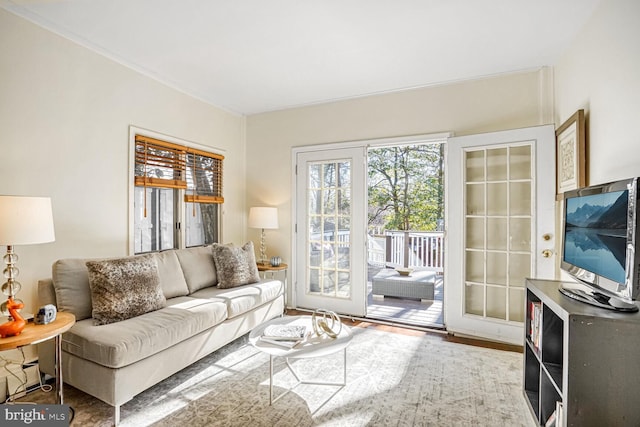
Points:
(171, 276)
(198, 268)
(71, 283)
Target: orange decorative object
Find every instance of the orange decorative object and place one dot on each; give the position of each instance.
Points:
(15, 326)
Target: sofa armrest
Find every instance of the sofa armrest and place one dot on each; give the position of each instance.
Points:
(46, 293)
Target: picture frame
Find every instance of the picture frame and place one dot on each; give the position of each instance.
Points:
(571, 155)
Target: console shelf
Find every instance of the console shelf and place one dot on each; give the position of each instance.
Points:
(583, 356)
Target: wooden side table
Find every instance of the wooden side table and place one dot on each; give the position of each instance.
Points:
(268, 268)
(33, 334)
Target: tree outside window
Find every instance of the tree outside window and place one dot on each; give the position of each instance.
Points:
(406, 187)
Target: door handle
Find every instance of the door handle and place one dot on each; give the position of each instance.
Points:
(547, 253)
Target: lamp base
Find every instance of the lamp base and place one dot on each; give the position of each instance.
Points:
(15, 326)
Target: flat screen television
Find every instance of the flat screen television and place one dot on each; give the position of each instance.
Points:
(600, 234)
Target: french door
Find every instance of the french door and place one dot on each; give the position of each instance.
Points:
(330, 230)
(500, 220)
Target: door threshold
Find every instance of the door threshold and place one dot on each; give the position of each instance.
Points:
(407, 325)
(422, 328)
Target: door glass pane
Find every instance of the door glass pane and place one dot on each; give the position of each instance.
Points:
(497, 164)
(315, 201)
(329, 231)
(497, 302)
(497, 232)
(474, 299)
(344, 278)
(474, 166)
(516, 305)
(520, 231)
(497, 199)
(475, 199)
(520, 198)
(475, 233)
(344, 175)
(344, 202)
(497, 268)
(475, 267)
(520, 162)
(329, 175)
(314, 176)
(329, 281)
(519, 269)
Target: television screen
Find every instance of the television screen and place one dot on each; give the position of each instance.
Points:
(595, 233)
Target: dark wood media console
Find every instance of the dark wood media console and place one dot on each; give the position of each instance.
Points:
(585, 357)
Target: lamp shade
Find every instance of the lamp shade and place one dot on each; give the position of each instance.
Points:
(263, 217)
(25, 220)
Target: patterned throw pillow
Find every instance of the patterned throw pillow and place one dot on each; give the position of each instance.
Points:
(235, 266)
(124, 288)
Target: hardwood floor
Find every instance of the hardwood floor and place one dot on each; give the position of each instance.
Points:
(444, 336)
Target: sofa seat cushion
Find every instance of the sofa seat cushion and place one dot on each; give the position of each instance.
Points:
(245, 298)
(119, 344)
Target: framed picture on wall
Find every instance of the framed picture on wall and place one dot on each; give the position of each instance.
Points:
(571, 161)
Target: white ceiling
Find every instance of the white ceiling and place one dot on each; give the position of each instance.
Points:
(251, 56)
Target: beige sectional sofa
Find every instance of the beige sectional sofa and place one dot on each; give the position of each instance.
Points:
(116, 361)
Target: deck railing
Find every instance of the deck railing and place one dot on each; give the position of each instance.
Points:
(409, 249)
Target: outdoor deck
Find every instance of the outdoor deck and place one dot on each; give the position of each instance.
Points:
(406, 311)
(409, 249)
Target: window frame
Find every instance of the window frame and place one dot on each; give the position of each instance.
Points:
(180, 204)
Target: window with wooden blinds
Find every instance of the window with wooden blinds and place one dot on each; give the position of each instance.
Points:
(177, 194)
(204, 177)
(159, 163)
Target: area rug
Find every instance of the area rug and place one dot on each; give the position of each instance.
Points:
(392, 380)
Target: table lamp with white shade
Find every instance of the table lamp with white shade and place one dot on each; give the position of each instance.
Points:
(23, 221)
(263, 218)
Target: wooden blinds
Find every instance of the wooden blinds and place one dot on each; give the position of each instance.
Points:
(168, 165)
(204, 177)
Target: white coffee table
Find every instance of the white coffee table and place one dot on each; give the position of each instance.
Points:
(312, 347)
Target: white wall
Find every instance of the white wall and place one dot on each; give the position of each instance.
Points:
(601, 74)
(483, 105)
(65, 114)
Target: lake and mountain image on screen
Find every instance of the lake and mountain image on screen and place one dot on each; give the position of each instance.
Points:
(595, 233)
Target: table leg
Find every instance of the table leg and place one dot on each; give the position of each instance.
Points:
(345, 366)
(286, 296)
(58, 363)
(270, 379)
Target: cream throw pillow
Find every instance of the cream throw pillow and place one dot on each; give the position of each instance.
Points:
(235, 266)
(124, 288)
